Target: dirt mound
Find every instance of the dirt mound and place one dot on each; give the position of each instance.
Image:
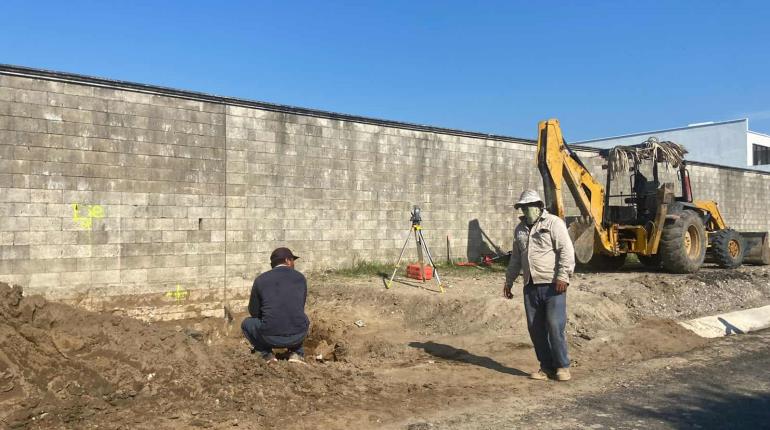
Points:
(60, 366)
(709, 291)
(648, 339)
(57, 358)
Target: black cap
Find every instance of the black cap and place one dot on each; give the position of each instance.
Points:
(281, 254)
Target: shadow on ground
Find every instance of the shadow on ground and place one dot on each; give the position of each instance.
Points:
(449, 352)
(708, 406)
(425, 285)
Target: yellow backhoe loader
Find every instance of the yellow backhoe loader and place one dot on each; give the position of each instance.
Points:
(645, 217)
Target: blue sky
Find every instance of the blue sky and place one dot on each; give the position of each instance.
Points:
(602, 68)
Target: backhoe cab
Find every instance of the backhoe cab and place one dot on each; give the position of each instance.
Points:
(646, 207)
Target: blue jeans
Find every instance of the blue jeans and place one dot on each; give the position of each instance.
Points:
(264, 344)
(546, 319)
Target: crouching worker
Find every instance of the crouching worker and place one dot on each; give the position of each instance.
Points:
(277, 308)
(542, 249)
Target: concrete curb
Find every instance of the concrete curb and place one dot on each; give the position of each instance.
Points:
(738, 322)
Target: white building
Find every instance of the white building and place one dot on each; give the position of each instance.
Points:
(727, 143)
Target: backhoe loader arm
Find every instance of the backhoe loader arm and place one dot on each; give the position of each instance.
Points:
(558, 164)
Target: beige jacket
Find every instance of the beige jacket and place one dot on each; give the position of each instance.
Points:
(544, 252)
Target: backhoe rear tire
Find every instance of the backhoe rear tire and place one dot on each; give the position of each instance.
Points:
(683, 243)
(727, 248)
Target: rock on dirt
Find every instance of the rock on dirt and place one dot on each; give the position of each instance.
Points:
(324, 351)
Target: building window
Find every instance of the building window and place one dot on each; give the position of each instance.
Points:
(761, 154)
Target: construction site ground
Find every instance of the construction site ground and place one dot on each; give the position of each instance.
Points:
(408, 357)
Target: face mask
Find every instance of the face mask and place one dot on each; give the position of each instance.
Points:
(531, 214)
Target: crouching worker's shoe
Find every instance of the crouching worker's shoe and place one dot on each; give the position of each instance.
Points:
(296, 358)
(540, 375)
(269, 359)
(562, 374)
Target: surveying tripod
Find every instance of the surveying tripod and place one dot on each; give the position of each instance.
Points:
(421, 246)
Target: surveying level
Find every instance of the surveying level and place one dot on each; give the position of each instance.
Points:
(422, 249)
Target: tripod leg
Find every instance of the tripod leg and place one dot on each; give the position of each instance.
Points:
(420, 259)
(430, 258)
(395, 269)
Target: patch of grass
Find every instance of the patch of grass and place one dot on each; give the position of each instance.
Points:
(370, 268)
(364, 268)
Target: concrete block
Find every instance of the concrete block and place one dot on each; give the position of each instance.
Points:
(72, 279)
(14, 224)
(46, 196)
(28, 210)
(133, 276)
(43, 280)
(174, 211)
(14, 195)
(160, 224)
(134, 224)
(214, 224)
(28, 238)
(107, 277)
(14, 252)
(135, 199)
(136, 262)
(174, 236)
(217, 236)
(56, 251)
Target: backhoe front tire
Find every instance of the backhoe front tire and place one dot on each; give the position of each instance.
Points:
(727, 248)
(683, 243)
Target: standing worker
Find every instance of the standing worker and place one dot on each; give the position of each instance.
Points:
(277, 308)
(543, 249)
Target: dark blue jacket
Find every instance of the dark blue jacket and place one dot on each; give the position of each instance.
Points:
(278, 299)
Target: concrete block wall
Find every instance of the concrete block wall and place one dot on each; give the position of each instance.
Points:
(339, 192)
(109, 192)
(111, 189)
(743, 196)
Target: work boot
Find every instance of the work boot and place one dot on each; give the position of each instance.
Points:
(562, 374)
(296, 358)
(540, 375)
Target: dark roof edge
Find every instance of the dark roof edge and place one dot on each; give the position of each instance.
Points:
(8, 69)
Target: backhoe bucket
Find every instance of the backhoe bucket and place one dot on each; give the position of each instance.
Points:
(757, 247)
(582, 233)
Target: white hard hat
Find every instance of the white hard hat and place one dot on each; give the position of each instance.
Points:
(527, 197)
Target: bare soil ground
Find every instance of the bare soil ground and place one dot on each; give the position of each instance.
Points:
(419, 352)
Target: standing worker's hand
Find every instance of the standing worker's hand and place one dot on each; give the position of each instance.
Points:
(507, 292)
(561, 286)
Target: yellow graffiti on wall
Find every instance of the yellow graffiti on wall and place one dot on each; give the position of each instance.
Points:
(86, 220)
(178, 294)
